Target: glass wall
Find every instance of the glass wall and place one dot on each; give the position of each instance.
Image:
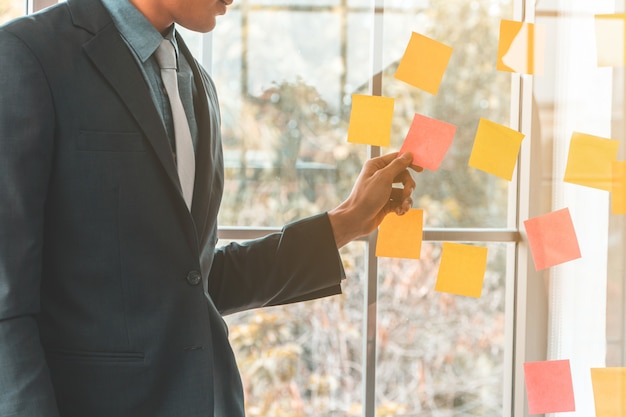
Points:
(285, 73)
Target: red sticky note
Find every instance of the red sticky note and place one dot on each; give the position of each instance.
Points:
(552, 239)
(428, 140)
(549, 387)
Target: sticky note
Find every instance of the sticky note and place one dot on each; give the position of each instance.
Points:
(495, 149)
(428, 140)
(609, 391)
(552, 239)
(521, 48)
(590, 161)
(462, 269)
(618, 189)
(549, 387)
(424, 63)
(401, 236)
(370, 120)
(611, 39)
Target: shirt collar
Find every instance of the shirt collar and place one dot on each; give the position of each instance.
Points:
(141, 36)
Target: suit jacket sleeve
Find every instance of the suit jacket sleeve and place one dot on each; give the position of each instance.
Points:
(26, 136)
(299, 263)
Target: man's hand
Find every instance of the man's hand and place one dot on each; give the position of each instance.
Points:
(373, 196)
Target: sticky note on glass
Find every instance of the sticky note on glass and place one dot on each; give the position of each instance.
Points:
(495, 149)
(424, 62)
(611, 39)
(618, 190)
(401, 236)
(521, 48)
(552, 239)
(609, 391)
(462, 269)
(590, 161)
(549, 387)
(370, 120)
(428, 140)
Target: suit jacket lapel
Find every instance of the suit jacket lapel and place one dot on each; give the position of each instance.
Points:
(113, 59)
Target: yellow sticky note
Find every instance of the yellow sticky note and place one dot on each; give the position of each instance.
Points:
(401, 236)
(521, 48)
(609, 391)
(370, 120)
(424, 62)
(590, 161)
(495, 149)
(618, 191)
(462, 269)
(611, 39)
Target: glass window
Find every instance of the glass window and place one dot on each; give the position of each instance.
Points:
(10, 9)
(286, 72)
(285, 112)
(305, 359)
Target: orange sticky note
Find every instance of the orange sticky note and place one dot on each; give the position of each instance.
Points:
(424, 62)
(611, 39)
(428, 140)
(462, 269)
(609, 391)
(401, 236)
(618, 190)
(552, 239)
(549, 387)
(495, 149)
(521, 48)
(590, 161)
(370, 120)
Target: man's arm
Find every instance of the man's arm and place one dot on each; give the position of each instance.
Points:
(26, 150)
(301, 262)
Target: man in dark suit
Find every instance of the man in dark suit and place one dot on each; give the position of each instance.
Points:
(111, 287)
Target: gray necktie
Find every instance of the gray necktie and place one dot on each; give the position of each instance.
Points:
(185, 158)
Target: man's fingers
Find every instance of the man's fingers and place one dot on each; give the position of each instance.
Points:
(394, 165)
(405, 179)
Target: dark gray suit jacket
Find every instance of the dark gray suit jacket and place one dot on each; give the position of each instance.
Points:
(102, 309)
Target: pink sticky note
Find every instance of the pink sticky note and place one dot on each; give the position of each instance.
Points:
(549, 387)
(428, 140)
(552, 239)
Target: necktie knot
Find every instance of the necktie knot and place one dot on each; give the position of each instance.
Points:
(166, 55)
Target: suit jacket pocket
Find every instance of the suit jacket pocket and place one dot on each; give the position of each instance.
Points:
(95, 357)
(110, 141)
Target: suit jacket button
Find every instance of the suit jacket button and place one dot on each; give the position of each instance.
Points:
(194, 278)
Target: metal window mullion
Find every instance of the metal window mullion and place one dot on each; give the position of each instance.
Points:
(371, 269)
